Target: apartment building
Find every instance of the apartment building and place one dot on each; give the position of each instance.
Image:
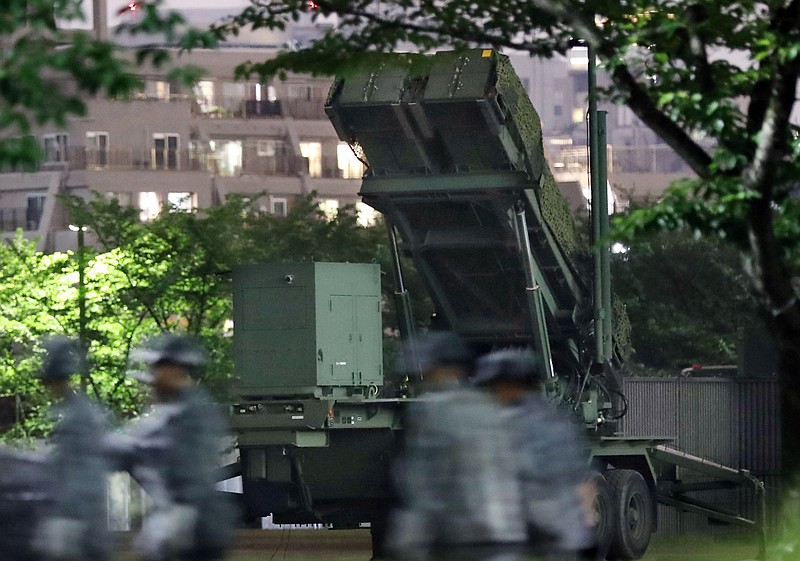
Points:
(190, 147)
(640, 165)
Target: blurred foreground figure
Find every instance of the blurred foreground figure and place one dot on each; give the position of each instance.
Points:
(457, 482)
(73, 524)
(24, 488)
(173, 453)
(550, 456)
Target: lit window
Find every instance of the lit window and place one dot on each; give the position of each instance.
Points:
(366, 214)
(182, 201)
(312, 152)
(350, 166)
(204, 95)
(97, 149)
(279, 206)
(233, 94)
(149, 205)
(329, 207)
(156, 89)
(225, 157)
(265, 147)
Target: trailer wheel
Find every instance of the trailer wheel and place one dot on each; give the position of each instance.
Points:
(633, 504)
(604, 515)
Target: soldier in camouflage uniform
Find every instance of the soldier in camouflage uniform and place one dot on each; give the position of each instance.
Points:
(73, 525)
(174, 453)
(549, 452)
(459, 494)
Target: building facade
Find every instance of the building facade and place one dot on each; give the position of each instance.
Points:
(188, 147)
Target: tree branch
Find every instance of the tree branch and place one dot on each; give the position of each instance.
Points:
(768, 271)
(667, 129)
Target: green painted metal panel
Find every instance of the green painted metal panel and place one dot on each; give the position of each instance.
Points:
(339, 354)
(462, 76)
(381, 86)
(369, 340)
(272, 315)
(376, 185)
(296, 328)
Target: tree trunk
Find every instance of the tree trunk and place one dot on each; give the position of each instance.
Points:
(789, 388)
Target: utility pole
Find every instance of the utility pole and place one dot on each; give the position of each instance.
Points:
(100, 19)
(598, 173)
(82, 335)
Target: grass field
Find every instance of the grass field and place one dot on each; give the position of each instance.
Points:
(354, 546)
(701, 548)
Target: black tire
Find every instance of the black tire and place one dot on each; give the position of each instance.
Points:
(605, 517)
(635, 510)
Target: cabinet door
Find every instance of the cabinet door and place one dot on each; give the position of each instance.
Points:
(369, 340)
(341, 347)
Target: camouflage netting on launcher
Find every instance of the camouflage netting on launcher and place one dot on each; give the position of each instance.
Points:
(555, 208)
(622, 328)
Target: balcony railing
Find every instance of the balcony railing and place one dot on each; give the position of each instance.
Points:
(635, 159)
(13, 218)
(646, 159)
(259, 109)
(625, 159)
(143, 159)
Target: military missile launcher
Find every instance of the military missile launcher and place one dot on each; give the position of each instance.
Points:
(455, 164)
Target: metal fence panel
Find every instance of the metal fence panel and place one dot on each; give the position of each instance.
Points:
(759, 422)
(729, 420)
(652, 406)
(705, 419)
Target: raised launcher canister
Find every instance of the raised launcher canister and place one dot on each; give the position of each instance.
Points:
(456, 165)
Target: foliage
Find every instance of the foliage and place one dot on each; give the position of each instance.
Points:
(38, 58)
(176, 270)
(30, 285)
(687, 298)
(172, 273)
(787, 546)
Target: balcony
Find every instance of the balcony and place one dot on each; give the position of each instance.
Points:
(13, 218)
(657, 159)
(214, 162)
(259, 109)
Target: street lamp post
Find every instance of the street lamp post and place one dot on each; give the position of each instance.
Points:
(598, 178)
(82, 338)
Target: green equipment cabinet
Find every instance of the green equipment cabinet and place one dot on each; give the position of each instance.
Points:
(307, 329)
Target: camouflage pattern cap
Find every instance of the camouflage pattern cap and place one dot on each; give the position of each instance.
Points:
(518, 365)
(170, 348)
(63, 358)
